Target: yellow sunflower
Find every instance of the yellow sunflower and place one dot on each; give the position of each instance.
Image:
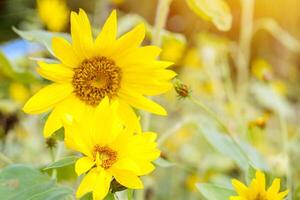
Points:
(110, 151)
(108, 67)
(54, 14)
(257, 189)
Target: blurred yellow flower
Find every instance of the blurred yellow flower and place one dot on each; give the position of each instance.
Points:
(261, 69)
(191, 181)
(107, 67)
(192, 58)
(260, 121)
(110, 151)
(172, 49)
(18, 92)
(257, 189)
(54, 14)
(279, 87)
(117, 2)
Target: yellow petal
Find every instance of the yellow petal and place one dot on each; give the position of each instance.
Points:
(240, 188)
(155, 88)
(127, 164)
(47, 97)
(136, 55)
(107, 36)
(261, 180)
(281, 195)
(145, 168)
(131, 40)
(53, 123)
(106, 123)
(139, 101)
(82, 39)
(236, 198)
(88, 183)
(64, 52)
(78, 136)
(55, 72)
(83, 165)
(102, 186)
(274, 188)
(129, 117)
(127, 178)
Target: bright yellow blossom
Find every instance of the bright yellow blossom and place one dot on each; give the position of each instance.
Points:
(257, 189)
(110, 151)
(107, 67)
(54, 14)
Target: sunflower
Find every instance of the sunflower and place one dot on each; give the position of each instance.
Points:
(257, 189)
(54, 14)
(108, 67)
(110, 150)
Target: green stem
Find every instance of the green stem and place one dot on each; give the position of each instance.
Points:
(162, 11)
(5, 159)
(285, 146)
(160, 20)
(55, 158)
(211, 113)
(243, 59)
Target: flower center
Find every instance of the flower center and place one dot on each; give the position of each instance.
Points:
(104, 156)
(260, 197)
(96, 78)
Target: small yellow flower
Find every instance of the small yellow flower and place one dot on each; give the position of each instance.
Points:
(110, 151)
(54, 14)
(260, 121)
(257, 189)
(172, 49)
(191, 182)
(18, 92)
(261, 69)
(279, 87)
(107, 67)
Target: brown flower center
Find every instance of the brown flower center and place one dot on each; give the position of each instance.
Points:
(260, 197)
(96, 78)
(104, 156)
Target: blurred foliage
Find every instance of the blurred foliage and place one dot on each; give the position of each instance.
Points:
(199, 156)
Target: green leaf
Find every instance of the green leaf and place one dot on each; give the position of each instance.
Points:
(256, 159)
(109, 196)
(88, 196)
(224, 145)
(62, 163)
(42, 37)
(250, 175)
(163, 163)
(216, 11)
(8, 71)
(214, 192)
(243, 154)
(23, 182)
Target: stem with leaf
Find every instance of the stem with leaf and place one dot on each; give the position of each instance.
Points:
(285, 146)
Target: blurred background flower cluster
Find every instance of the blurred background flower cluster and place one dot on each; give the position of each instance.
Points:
(241, 62)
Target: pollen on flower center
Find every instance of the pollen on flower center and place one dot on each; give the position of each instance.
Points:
(104, 156)
(96, 78)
